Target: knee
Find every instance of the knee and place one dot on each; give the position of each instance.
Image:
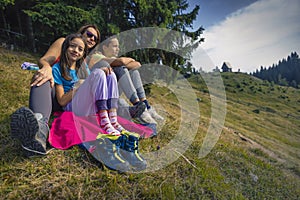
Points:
(125, 69)
(98, 73)
(120, 70)
(112, 77)
(44, 89)
(134, 72)
(101, 63)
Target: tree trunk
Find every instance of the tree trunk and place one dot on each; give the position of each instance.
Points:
(4, 23)
(31, 41)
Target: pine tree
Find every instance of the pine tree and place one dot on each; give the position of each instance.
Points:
(44, 21)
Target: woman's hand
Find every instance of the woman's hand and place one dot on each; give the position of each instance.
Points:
(43, 75)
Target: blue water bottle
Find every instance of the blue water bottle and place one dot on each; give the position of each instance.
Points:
(29, 66)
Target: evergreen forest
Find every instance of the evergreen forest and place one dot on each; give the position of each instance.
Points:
(33, 25)
(285, 73)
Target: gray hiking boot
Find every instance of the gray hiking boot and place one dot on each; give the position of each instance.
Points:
(31, 130)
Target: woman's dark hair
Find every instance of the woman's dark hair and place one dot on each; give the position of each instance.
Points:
(83, 29)
(64, 61)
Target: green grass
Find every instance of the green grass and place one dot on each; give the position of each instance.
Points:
(263, 164)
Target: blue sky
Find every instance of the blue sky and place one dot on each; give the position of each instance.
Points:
(246, 33)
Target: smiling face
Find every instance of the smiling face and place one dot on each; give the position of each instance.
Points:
(91, 37)
(75, 50)
(112, 49)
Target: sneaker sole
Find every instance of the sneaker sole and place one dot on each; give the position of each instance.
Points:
(33, 153)
(24, 127)
(157, 118)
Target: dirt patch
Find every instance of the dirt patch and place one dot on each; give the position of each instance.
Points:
(255, 145)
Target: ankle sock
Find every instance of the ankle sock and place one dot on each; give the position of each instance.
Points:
(114, 121)
(106, 125)
(136, 103)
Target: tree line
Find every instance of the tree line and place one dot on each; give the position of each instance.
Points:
(35, 24)
(286, 72)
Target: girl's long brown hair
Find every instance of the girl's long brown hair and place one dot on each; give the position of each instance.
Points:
(64, 61)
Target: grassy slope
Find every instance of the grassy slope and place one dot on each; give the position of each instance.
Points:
(256, 157)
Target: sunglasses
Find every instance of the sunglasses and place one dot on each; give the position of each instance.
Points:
(90, 35)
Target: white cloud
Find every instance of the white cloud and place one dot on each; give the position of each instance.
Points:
(258, 35)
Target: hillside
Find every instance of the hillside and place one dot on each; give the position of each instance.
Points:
(264, 114)
(255, 157)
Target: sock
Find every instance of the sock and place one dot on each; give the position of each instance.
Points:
(114, 121)
(135, 103)
(106, 125)
(147, 104)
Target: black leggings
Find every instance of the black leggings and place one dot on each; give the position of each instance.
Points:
(42, 100)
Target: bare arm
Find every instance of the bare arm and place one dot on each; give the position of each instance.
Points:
(121, 61)
(133, 65)
(62, 97)
(97, 58)
(130, 63)
(44, 74)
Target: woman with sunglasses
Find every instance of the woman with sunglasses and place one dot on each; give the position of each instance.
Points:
(30, 126)
(89, 32)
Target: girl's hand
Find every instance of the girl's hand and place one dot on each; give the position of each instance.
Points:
(107, 70)
(78, 84)
(42, 76)
(126, 60)
(133, 65)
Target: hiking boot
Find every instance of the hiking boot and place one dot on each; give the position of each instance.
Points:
(154, 114)
(146, 118)
(108, 152)
(136, 110)
(129, 150)
(31, 130)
